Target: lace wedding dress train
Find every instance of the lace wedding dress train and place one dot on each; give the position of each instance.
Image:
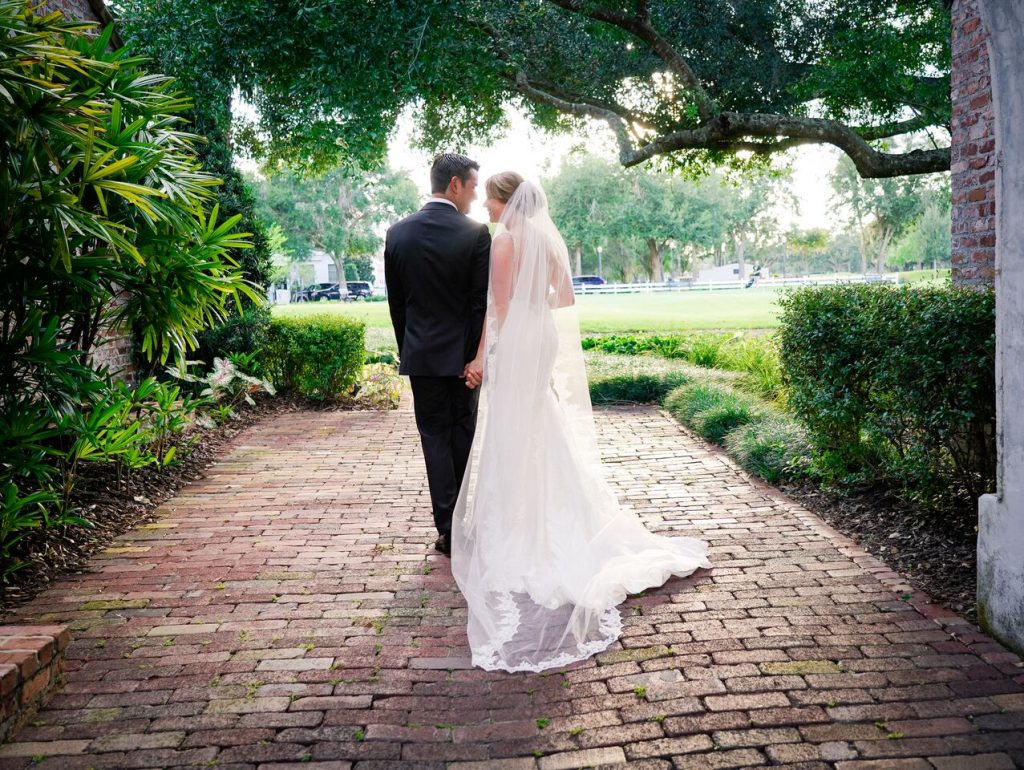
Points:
(541, 548)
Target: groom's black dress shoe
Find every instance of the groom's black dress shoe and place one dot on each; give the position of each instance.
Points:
(444, 545)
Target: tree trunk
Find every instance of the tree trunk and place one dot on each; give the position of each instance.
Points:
(883, 247)
(654, 261)
(579, 259)
(339, 266)
(740, 244)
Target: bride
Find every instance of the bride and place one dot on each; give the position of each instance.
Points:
(541, 549)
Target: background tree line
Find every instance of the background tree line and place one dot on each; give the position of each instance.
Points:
(651, 225)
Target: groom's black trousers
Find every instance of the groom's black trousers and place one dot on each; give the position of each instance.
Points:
(446, 418)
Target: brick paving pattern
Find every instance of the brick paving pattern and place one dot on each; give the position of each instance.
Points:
(287, 611)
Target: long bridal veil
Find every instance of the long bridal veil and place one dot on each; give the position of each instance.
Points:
(541, 548)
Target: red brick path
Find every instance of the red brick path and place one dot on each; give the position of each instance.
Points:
(288, 611)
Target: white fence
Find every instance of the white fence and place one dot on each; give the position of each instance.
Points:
(807, 280)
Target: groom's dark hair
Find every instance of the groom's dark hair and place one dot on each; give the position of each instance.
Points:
(449, 164)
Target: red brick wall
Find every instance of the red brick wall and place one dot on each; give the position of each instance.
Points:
(114, 350)
(973, 161)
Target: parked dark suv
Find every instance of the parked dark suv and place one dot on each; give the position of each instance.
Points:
(359, 289)
(579, 281)
(320, 291)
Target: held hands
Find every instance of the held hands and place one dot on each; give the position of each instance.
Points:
(474, 373)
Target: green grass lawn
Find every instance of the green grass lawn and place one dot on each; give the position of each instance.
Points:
(663, 312)
(925, 276)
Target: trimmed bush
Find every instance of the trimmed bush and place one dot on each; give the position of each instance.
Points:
(712, 410)
(896, 383)
(775, 448)
(319, 356)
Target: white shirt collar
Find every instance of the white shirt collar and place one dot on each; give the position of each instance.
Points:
(434, 199)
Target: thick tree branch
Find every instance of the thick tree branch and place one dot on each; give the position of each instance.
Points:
(871, 133)
(557, 91)
(640, 27)
(732, 128)
(764, 148)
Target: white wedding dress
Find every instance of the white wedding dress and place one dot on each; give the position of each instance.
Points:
(541, 548)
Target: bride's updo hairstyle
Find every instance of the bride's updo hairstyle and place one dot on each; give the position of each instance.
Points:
(501, 186)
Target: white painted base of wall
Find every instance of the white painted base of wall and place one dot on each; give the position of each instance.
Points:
(1001, 517)
(1001, 570)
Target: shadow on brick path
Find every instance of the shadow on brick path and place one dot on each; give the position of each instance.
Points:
(288, 611)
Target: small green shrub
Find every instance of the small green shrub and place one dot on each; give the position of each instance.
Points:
(775, 448)
(712, 410)
(758, 359)
(668, 346)
(318, 356)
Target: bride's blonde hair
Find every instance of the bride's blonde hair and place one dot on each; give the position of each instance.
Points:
(501, 186)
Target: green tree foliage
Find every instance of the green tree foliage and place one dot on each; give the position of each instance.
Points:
(691, 81)
(653, 224)
(881, 211)
(197, 69)
(338, 212)
(928, 242)
(101, 199)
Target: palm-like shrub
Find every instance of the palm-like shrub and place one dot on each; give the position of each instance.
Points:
(101, 198)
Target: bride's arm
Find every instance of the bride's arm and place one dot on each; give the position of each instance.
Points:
(501, 275)
(561, 282)
(501, 293)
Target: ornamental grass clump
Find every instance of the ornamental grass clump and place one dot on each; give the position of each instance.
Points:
(711, 410)
(776, 448)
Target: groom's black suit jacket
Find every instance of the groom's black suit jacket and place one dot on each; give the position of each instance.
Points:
(436, 266)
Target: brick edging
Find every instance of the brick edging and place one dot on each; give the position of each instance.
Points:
(31, 669)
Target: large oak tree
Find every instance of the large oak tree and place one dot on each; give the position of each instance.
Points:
(691, 82)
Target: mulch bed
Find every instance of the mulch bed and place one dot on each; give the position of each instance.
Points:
(936, 553)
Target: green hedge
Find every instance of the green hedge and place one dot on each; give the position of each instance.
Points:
(896, 384)
(318, 356)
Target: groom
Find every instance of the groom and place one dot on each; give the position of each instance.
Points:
(435, 266)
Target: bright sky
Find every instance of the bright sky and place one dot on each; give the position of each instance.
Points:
(535, 154)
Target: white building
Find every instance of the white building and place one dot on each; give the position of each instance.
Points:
(721, 274)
